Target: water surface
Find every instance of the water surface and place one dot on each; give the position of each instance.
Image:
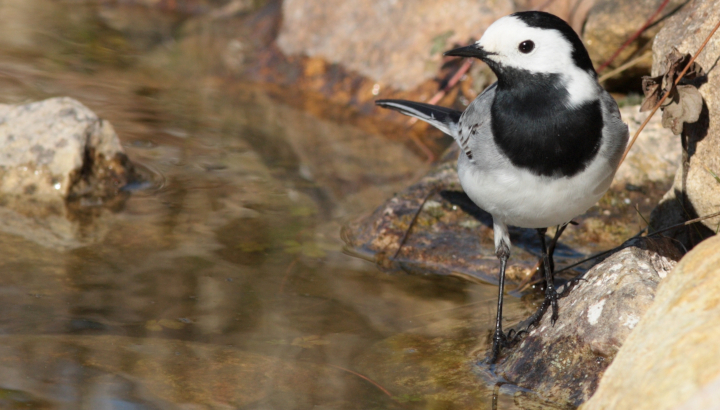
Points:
(222, 284)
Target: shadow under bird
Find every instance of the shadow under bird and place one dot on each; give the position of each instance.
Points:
(538, 147)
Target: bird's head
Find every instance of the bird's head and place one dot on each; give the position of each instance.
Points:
(535, 42)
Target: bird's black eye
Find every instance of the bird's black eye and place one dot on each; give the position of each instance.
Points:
(526, 46)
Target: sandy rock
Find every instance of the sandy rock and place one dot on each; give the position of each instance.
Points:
(394, 42)
(611, 22)
(672, 357)
(58, 148)
(564, 363)
(655, 154)
(695, 192)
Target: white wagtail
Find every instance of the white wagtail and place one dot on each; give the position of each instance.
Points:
(538, 147)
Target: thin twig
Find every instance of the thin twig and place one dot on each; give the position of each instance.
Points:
(364, 378)
(669, 228)
(662, 100)
(429, 154)
(464, 68)
(641, 215)
(597, 255)
(412, 221)
(623, 67)
(690, 222)
(633, 37)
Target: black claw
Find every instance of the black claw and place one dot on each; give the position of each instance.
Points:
(514, 336)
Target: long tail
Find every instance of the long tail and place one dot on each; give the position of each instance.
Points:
(442, 118)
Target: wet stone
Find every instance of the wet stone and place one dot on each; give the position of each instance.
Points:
(61, 166)
(563, 363)
(59, 149)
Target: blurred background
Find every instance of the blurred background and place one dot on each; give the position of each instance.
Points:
(221, 282)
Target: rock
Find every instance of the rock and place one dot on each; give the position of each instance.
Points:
(58, 163)
(563, 363)
(695, 191)
(672, 356)
(705, 399)
(451, 235)
(58, 148)
(656, 152)
(611, 22)
(396, 43)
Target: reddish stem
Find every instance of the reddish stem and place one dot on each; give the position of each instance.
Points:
(633, 37)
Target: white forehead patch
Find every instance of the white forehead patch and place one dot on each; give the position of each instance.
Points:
(552, 55)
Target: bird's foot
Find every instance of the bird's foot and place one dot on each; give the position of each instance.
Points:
(551, 297)
(499, 341)
(504, 341)
(514, 336)
(534, 320)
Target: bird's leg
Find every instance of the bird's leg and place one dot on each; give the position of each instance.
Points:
(551, 295)
(499, 339)
(553, 243)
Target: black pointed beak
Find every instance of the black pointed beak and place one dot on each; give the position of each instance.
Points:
(473, 50)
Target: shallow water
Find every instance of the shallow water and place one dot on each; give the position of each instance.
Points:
(223, 284)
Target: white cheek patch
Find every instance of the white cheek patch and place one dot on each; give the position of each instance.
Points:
(552, 55)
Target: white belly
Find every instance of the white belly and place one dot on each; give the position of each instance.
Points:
(519, 198)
